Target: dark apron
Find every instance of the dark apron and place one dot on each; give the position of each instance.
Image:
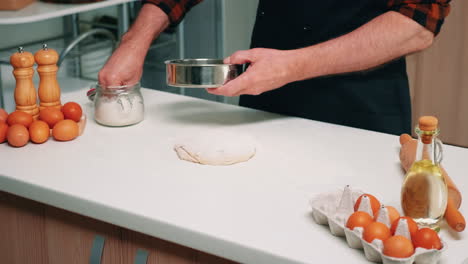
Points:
(376, 99)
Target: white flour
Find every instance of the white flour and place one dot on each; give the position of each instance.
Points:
(122, 110)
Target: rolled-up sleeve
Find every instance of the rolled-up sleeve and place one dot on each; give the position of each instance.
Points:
(175, 9)
(428, 13)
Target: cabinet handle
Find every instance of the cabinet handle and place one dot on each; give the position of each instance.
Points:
(96, 250)
(141, 256)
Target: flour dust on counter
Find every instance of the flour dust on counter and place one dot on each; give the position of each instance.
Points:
(216, 147)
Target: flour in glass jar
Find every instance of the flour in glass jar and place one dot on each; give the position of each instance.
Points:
(119, 110)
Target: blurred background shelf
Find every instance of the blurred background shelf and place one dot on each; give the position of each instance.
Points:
(39, 11)
(212, 29)
(84, 60)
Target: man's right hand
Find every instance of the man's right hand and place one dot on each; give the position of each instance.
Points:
(125, 66)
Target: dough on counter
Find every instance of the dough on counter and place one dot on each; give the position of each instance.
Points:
(216, 148)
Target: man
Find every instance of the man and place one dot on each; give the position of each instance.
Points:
(333, 61)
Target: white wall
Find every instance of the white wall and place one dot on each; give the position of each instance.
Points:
(239, 18)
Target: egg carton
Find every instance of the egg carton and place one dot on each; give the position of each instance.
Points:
(334, 208)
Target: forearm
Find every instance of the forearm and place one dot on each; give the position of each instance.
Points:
(385, 38)
(150, 22)
(125, 66)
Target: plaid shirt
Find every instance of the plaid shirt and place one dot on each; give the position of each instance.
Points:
(175, 9)
(428, 13)
(71, 1)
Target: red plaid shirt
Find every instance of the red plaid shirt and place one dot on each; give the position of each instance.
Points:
(428, 13)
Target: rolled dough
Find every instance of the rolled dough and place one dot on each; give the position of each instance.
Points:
(216, 148)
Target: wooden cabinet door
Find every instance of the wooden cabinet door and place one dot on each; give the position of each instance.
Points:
(70, 238)
(159, 251)
(22, 236)
(34, 233)
(164, 252)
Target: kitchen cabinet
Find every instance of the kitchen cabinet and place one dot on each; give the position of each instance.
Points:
(70, 237)
(160, 251)
(22, 232)
(36, 233)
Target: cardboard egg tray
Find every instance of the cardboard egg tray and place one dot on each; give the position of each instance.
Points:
(334, 208)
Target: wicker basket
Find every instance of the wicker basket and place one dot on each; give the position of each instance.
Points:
(14, 4)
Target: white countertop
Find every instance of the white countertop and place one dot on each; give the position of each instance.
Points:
(254, 212)
(39, 11)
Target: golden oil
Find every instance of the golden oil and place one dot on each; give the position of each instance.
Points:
(424, 193)
(424, 190)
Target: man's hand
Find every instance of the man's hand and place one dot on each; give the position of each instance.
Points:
(125, 66)
(269, 69)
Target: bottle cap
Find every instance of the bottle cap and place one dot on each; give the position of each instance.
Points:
(428, 123)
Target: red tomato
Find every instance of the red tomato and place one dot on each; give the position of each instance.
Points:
(73, 111)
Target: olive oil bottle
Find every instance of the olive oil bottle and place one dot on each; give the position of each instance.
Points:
(424, 191)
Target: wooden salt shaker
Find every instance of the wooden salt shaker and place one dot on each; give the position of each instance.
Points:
(25, 93)
(49, 89)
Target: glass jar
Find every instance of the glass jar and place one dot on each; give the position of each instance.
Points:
(118, 105)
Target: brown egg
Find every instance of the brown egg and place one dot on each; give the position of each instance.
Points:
(65, 130)
(3, 115)
(51, 116)
(398, 247)
(17, 135)
(39, 131)
(20, 117)
(3, 131)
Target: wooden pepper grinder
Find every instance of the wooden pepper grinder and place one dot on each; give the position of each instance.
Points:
(25, 93)
(49, 89)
